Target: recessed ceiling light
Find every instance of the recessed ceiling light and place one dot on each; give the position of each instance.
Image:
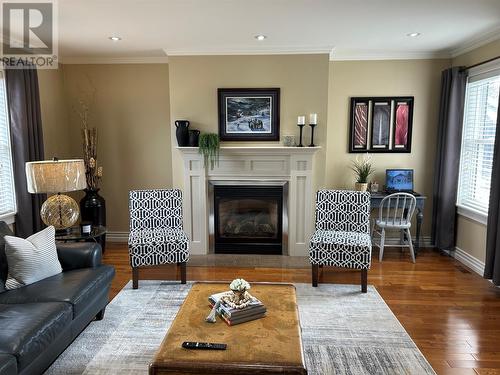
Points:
(115, 38)
(413, 35)
(260, 37)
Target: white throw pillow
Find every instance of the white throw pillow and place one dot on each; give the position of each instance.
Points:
(32, 259)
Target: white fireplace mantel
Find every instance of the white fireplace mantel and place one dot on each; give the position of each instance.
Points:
(251, 163)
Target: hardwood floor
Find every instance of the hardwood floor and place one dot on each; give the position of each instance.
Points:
(451, 313)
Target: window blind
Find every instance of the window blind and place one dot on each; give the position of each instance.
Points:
(7, 194)
(478, 138)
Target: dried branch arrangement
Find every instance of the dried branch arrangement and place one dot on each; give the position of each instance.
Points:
(93, 172)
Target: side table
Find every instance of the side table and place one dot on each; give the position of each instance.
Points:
(97, 234)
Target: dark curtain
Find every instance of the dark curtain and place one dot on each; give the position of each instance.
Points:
(27, 143)
(447, 162)
(492, 264)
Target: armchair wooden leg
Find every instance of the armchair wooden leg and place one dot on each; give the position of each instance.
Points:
(183, 272)
(315, 272)
(135, 277)
(364, 280)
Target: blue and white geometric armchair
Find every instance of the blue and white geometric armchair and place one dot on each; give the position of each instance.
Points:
(156, 236)
(342, 235)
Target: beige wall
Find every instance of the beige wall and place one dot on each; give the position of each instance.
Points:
(55, 120)
(303, 80)
(418, 78)
(471, 235)
(132, 115)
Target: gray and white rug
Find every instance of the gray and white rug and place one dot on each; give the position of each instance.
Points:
(343, 332)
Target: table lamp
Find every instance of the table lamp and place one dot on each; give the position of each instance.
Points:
(56, 177)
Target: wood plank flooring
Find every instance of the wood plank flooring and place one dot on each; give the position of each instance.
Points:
(451, 313)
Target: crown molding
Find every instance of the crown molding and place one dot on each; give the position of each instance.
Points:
(114, 60)
(476, 42)
(241, 51)
(350, 55)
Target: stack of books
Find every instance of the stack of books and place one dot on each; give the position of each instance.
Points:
(232, 316)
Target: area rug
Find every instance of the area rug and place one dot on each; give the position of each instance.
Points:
(343, 332)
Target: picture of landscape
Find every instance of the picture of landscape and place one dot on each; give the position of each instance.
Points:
(248, 114)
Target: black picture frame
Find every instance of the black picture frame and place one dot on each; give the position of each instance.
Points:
(242, 107)
(394, 140)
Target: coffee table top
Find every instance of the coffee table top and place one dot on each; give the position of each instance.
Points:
(264, 345)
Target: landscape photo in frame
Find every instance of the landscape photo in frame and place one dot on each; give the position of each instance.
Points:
(249, 114)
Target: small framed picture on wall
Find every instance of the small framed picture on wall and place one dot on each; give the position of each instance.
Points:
(403, 116)
(381, 124)
(359, 117)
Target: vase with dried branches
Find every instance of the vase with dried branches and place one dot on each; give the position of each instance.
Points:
(92, 205)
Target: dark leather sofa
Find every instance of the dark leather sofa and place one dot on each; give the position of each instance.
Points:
(38, 321)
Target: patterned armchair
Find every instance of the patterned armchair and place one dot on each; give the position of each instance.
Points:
(342, 235)
(156, 236)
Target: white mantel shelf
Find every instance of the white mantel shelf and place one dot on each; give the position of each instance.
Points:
(292, 166)
(278, 150)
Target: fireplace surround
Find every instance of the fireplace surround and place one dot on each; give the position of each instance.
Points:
(250, 165)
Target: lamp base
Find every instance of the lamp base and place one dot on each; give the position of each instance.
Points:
(60, 211)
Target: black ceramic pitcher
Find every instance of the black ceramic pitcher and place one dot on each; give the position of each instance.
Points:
(182, 132)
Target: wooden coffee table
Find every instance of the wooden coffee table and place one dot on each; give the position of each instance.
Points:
(271, 345)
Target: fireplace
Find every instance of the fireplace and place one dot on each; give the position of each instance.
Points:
(248, 218)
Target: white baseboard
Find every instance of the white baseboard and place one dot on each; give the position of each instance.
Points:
(468, 260)
(117, 236)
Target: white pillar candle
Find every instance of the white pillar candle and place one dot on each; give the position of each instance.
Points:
(301, 120)
(313, 118)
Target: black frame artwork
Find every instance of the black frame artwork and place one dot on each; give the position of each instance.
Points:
(249, 114)
(381, 124)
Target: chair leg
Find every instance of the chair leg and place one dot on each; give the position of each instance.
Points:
(100, 314)
(135, 277)
(410, 244)
(382, 244)
(364, 280)
(183, 272)
(315, 272)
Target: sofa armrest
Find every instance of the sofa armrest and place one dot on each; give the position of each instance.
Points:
(73, 255)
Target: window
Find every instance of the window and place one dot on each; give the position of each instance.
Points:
(7, 194)
(478, 138)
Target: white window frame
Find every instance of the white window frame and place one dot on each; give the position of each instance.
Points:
(478, 216)
(8, 217)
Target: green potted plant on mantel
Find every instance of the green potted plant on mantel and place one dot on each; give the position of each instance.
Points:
(363, 169)
(209, 146)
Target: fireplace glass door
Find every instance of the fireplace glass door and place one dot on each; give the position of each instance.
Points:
(248, 219)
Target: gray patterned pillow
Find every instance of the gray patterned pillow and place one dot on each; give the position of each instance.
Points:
(32, 259)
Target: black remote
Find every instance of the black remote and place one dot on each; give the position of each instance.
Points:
(203, 345)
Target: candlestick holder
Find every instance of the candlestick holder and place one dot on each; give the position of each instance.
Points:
(301, 127)
(312, 135)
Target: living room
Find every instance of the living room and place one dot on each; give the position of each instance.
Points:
(331, 161)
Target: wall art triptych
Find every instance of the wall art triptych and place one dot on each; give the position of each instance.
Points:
(381, 124)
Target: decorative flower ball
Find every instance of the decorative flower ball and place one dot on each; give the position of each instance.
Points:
(239, 285)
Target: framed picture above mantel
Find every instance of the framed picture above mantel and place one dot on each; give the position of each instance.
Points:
(251, 114)
(381, 124)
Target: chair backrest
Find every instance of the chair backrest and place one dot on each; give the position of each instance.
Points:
(343, 210)
(397, 208)
(155, 209)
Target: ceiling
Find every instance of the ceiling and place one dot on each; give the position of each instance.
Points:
(352, 29)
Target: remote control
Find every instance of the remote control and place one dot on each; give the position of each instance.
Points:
(203, 345)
